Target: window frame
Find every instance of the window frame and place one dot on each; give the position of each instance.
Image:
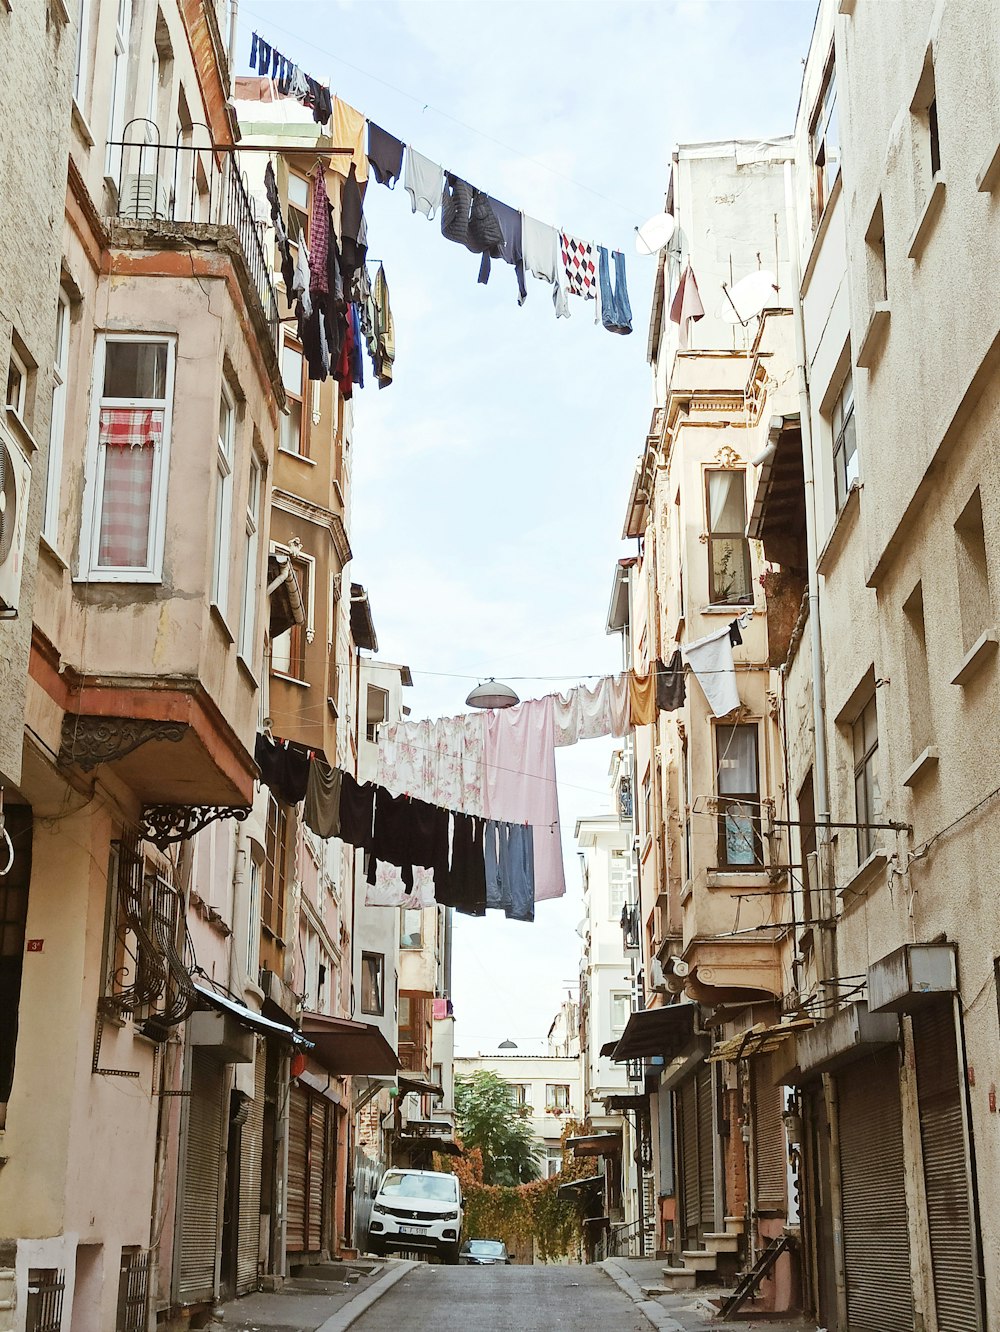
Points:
(16, 363)
(225, 467)
(824, 112)
(747, 599)
(842, 483)
(57, 421)
(371, 727)
(248, 606)
(749, 798)
(292, 344)
(865, 768)
(90, 523)
(80, 82)
(119, 83)
(299, 635)
(274, 886)
(520, 1095)
(407, 934)
(552, 1098)
(379, 959)
(255, 880)
(616, 858)
(619, 998)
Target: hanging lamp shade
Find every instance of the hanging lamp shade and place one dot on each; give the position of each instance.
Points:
(492, 695)
(507, 1045)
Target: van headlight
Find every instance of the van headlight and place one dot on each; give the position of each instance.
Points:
(382, 1211)
(449, 1216)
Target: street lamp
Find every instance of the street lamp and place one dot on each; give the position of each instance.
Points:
(492, 695)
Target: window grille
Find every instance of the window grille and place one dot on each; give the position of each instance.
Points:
(133, 1291)
(45, 1299)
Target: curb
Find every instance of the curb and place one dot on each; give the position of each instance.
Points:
(350, 1313)
(653, 1312)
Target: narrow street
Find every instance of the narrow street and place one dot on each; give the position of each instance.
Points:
(504, 1299)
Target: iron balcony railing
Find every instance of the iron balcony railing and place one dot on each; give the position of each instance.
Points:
(191, 181)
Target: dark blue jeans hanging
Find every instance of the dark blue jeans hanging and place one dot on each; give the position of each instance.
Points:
(616, 313)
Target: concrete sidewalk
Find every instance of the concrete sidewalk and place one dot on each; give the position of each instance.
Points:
(686, 1311)
(332, 1297)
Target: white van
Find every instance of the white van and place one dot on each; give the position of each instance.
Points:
(417, 1209)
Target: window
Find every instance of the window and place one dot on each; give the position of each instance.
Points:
(553, 1161)
(288, 650)
(728, 548)
(825, 143)
(126, 495)
(867, 796)
(82, 43)
(253, 916)
(618, 879)
(248, 610)
(298, 207)
(17, 384)
(845, 442)
(373, 983)
(621, 1007)
(556, 1096)
(975, 603)
(520, 1094)
(878, 284)
(739, 795)
(57, 422)
(292, 376)
(927, 140)
(272, 916)
(411, 923)
(119, 80)
(408, 1017)
(647, 806)
(917, 681)
(807, 845)
(377, 709)
(223, 501)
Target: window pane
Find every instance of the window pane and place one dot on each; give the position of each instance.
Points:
(741, 847)
(225, 427)
(125, 508)
(726, 502)
(135, 370)
(291, 428)
(291, 370)
(410, 928)
(730, 571)
(15, 384)
(298, 192)
(737, 761)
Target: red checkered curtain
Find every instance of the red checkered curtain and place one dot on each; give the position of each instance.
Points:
(129, 437)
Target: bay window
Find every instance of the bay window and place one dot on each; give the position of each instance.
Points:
(738, 784)
(728, 549)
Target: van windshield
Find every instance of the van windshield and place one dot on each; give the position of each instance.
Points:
(439, 1188)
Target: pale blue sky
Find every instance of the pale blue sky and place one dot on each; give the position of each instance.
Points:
(490, 479)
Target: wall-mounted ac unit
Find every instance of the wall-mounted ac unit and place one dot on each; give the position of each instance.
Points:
(144, 197)
(15, 478)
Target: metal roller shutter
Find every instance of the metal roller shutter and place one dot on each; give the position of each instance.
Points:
(770, 1154)
(203, 1156)
(298, 1138)
(946, 1170)
(316, 1174)
(876, 1235)
(690, 1196)
(251, 1142)
(706, 1162)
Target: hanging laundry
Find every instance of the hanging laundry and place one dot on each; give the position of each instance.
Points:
(283, 769)
(319, 233)
(357, 812)
(642, 698)
(441, 761)
(388, 890)
(385, 155)
(424, 182)
(540, 244)
(735, 637)
(512, 249)
(485, 231)
(352, 249)
(584, 713)
(319, 99)
(276, 59)
(299, 85)
(384, 330)
(671, 686)
(521, 784)
(616, 313)
(321, 812)
(456, 208)
(348, 130)
(407, 833)
(344, 369)
(357, 361)
(579, 267)
(711, 659)
(686, 307)
(465, 886)
(510, 870)
(300, 279)
(285, 76)
(280, 231)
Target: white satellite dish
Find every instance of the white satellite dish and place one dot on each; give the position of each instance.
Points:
(654, 233)
(746, 298)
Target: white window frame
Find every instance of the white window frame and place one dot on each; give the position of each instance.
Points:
(82, 52)
(295, 553)
(57, 422)
(618, 889)
(90, 530)
(297, 395)
(248, 609)
(22, 374)
(119, 81)
(625, 997)
(255, 870)
(224, 460)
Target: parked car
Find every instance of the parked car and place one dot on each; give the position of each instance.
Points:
(417, 1209)
(484, 1253)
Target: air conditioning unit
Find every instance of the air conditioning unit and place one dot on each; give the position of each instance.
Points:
(15, 478)
(144, 197)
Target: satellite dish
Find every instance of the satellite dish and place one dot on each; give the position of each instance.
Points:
(654, 233)
(746, 298)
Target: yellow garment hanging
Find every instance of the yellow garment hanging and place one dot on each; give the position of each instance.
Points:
(642, 698)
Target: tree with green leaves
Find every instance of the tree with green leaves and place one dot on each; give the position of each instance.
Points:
(487, 1118)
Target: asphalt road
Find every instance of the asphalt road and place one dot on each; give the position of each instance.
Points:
(503, 1299)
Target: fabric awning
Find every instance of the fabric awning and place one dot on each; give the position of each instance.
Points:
(344, 1047)
(661, 1031)
(575, 1186)
(596, 1144)
(417, 1141)
(757, 1040)
(408, 1083)
(609, 1047)
(255, 1021)
(621, 1104)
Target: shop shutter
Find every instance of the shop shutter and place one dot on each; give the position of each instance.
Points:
(316, 1173)
(203, 1158)
(691, 1198)
(770, 1156)
(876, 1235)
(706, 1161)
(251, 1142)
(298, 1137)
(946, 1175)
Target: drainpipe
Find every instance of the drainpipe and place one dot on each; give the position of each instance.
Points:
(821, 784)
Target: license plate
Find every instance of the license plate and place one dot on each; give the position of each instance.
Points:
(413, 1230)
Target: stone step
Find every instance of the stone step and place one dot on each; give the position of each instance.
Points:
(722, 1241)
(699, 1260)
(680, 1278)
(736, 1225)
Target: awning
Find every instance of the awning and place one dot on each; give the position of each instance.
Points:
(344, 1047)
(285, 595)
(408, 1083)
(608, 1049)
(757, 1040)
(362, 625)
(255, 1021)
(778, 515)
(621, 1104)
(596, 1144)
(575, 1186)
(417, 1142)
(663, 1031)
(848, 1035)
